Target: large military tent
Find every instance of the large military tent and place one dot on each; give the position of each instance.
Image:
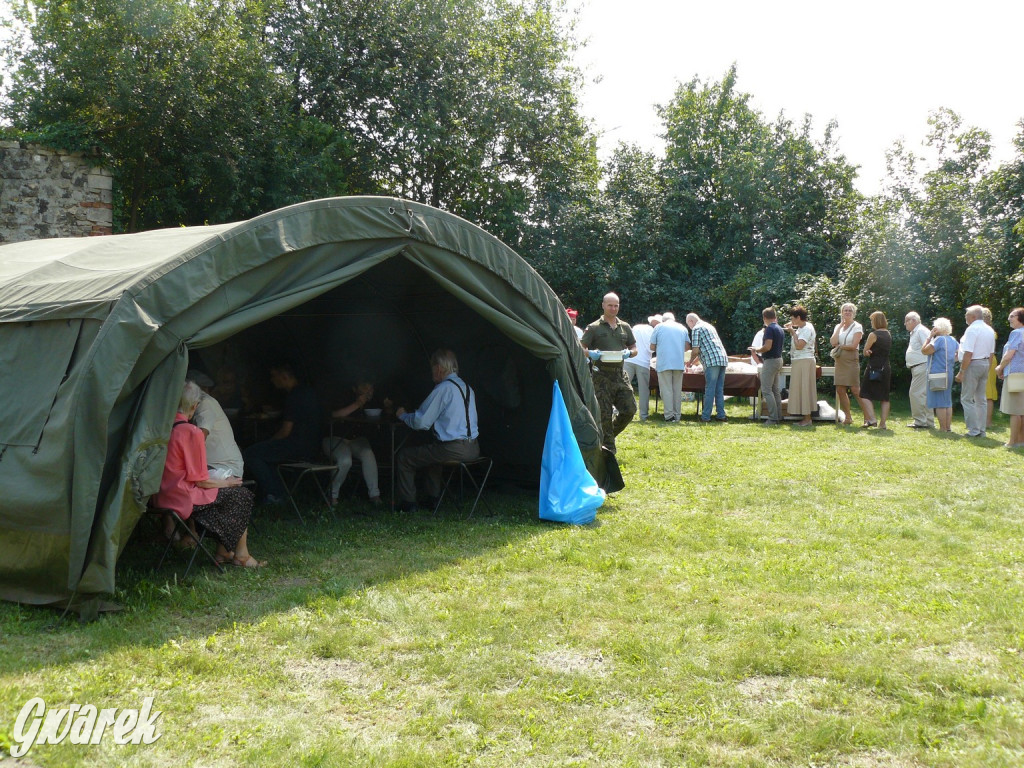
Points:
(96, 336)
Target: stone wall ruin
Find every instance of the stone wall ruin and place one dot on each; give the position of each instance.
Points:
(49, 193)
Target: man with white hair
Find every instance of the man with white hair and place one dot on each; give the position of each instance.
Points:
(976, 347)
(709, 351)
(917, 364)
(640, 366)
(670, 342)
(449, 413)
(613, 390)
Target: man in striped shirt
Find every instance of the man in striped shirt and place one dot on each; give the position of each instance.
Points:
(709, 351)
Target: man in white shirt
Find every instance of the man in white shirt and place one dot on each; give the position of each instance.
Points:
(755, 358)
(917, 364)
(976, 347)
(669, 343)
(449, 412)
(640, 366)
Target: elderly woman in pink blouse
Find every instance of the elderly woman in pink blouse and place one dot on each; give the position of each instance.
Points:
(222, 507)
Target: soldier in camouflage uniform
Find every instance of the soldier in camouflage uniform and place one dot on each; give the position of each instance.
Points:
(612, 387)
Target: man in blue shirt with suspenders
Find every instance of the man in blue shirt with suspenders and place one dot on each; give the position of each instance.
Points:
(450, 411)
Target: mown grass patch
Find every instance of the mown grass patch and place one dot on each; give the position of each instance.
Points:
(755, 597)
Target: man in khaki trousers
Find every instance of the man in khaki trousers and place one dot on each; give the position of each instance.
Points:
(917, 364)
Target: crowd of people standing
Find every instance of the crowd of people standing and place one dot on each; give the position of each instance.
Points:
(935, 360)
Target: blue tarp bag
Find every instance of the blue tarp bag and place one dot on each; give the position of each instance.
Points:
(568, 492)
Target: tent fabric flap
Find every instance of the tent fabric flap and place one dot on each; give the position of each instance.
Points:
(22, 420)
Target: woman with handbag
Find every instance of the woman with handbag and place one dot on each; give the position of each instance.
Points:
(845, 351)
(941, 349)
(1011, 370)
(877, 374)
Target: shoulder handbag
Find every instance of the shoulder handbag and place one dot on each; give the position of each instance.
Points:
(937, 382)
(874, 374)
(1015, 382)
(837, 351)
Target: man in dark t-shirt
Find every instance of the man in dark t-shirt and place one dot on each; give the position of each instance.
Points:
(296, 439)
(770, 352)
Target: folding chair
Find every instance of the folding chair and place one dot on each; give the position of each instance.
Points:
(302, 470)
(185, 531)
(464, 469)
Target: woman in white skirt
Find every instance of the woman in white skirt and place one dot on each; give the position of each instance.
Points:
(803, 393)
(1012, 403)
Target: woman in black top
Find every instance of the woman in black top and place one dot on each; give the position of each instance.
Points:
(877, 374)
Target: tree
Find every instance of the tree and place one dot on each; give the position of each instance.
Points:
(612, 241)
(469, 106)
(751, 206)
(211, 110)
(634, 198)
(918, 244)
(944, 233)
(996, 275)
(176, 95)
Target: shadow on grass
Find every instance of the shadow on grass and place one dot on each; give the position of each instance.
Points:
(978, 442)
(985, 442)
(323, 560)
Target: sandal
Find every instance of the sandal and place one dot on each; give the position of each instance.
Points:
(867, 424)
(251, 562)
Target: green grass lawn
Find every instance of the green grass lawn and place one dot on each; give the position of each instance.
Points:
(755, 597)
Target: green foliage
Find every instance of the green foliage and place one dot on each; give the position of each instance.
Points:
(996, 255)
(213, 110)
(467, 106)
(738, 212)
(750, 206)
(176, 95)
(612, 241)
(634, 200)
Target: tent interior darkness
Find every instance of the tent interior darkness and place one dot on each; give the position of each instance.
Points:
(382, 326)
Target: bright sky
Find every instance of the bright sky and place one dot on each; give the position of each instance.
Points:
(878, 68)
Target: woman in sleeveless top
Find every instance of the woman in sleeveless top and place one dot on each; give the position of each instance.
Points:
(845, 343)
(941, 349)
(877, 374)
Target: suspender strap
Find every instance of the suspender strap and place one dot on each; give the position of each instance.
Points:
(465, 401)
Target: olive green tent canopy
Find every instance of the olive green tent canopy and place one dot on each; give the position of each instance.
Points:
(96, 335)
